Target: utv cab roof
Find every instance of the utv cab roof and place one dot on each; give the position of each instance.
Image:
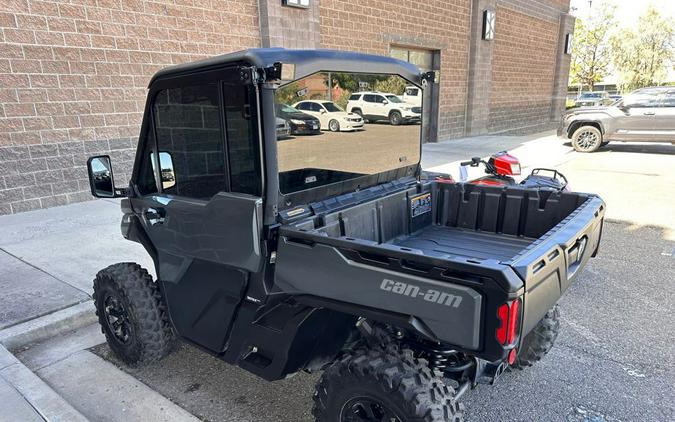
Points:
(306, 62)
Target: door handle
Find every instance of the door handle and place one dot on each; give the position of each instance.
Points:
(649, 113)
(155, 215)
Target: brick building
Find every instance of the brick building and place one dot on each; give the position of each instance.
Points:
(73, 73)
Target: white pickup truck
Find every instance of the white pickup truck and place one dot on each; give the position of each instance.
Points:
(413, 95)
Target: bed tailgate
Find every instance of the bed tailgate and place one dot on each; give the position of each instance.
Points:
(549, 265)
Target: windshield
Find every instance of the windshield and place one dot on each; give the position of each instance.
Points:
(331, 107)
(341, 147)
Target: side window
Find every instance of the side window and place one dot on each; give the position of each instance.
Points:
(301, 106)
(641, 100)
(369, 98)
(190, 143)
(316, 107)
(379, 98)
(668, 99)
(354, 97)
(146, 182)
(242, 140)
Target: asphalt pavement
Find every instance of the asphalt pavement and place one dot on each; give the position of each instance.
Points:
(613, 361)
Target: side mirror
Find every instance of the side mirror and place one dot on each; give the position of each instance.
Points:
(167, 172)
(385, 102)
(101, 180)
(323, 111)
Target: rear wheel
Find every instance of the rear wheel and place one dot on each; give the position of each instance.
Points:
(587, 139)
(131, 313)
(383, 386)
(395, 118)
(334, 125)
(540, 340)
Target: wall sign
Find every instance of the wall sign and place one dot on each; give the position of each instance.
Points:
(303, 4)
(488, 24)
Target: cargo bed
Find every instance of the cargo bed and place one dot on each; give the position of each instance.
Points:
(479, 245)
(441, 242)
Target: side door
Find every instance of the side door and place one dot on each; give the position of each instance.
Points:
(369, 110)
(204, 213)
(320, 112)
(665, 117)
(638, 119)
(381, 106)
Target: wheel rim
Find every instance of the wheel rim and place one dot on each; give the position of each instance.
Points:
(367, 409)
(117, 318)
(395, 118)
(334, 126)
(587, 139)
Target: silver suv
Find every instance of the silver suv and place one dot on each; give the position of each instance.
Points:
(376, 106)
(645, 115)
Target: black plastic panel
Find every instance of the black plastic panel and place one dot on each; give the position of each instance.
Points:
(203, 302)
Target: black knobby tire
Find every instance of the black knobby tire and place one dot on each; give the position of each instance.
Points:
(395, 118)
(540, 340)
(395, 380)
(149, 336)
(587, 139)
(334, 125)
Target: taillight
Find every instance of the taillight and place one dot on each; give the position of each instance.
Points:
(514, 316)
(508, 315)
(503, 316)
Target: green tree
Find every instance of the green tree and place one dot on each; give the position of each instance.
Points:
(393, 84)
(591, 50)
(288, 94)
(642, 54)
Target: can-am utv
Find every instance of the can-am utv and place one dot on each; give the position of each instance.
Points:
(333, 252)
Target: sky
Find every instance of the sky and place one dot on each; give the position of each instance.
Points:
(627, 11)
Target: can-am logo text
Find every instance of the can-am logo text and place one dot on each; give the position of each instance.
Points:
(429, 295)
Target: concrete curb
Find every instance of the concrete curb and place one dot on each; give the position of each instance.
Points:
(49, 325)
(47, 403)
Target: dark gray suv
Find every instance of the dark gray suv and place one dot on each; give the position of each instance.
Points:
(645, 115)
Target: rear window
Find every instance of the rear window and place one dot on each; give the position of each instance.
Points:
(346, 148)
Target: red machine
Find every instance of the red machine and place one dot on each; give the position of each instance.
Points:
(500, 168)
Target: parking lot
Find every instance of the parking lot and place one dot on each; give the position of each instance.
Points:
(613, 360)
(334, 150)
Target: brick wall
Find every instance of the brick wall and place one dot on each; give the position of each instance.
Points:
(373, 26)
(73, 73)
(524, 65)
(73, 79)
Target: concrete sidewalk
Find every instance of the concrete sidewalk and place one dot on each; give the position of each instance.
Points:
(48, 259)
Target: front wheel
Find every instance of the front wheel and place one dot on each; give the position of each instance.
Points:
(395, 118)
(540, 340)
(131, 312)
(587, 139)
(334, 125)
(383, 386)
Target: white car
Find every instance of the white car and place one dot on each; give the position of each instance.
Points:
(331, 116)
(375, 106)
